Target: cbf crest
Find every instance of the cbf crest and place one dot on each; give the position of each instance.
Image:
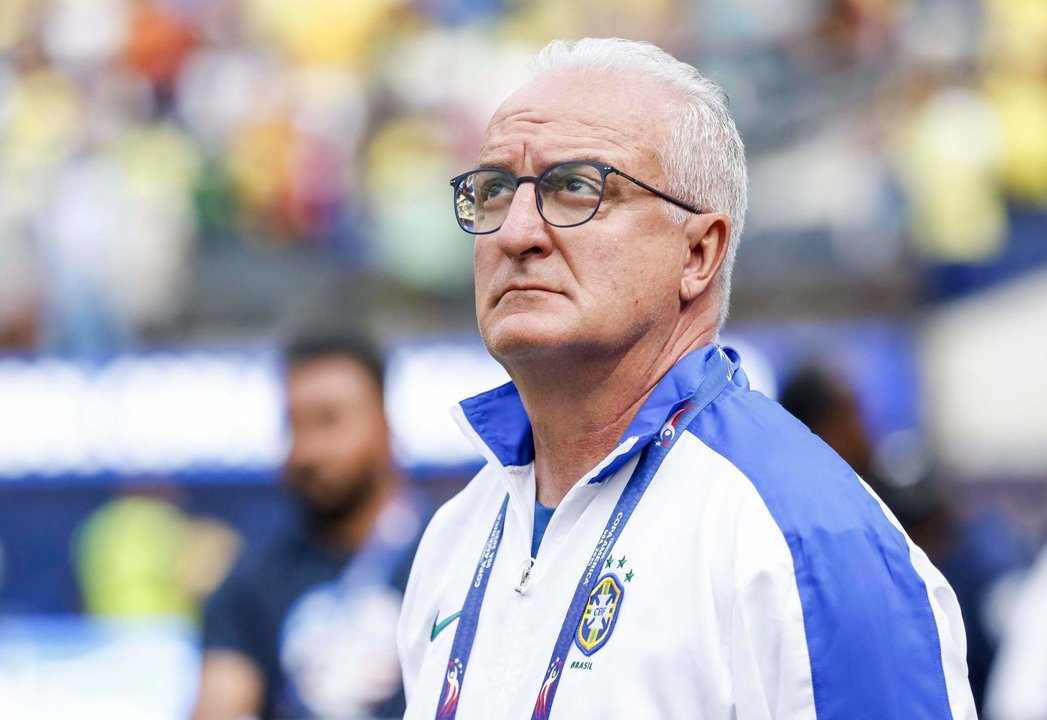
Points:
(600, 614)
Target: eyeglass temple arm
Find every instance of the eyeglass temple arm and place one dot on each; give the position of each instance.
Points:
(659, 193)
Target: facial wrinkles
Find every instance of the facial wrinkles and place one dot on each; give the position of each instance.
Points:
(524, 271)
(524, 142)
(578, 255)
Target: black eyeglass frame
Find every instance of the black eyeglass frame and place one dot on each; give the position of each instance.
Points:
(602, 168)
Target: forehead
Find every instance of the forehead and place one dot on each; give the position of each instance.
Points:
(615, 117)
(329, 379)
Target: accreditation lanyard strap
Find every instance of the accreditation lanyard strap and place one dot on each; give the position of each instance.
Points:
(718, 371)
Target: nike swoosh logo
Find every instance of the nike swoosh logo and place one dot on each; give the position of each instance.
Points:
(438, 627)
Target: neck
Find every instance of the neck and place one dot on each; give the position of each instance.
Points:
(580, 408)
(347, 532)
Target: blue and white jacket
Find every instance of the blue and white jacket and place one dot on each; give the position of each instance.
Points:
(757, 578)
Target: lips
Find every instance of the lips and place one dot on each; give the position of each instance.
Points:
(542, 288)
(525, 288)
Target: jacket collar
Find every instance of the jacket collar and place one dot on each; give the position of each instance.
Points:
(498, 425)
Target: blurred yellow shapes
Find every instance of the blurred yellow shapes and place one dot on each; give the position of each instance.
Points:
(536, 23)
(45, 122)
(322, 31)
(14, 21)
(140, 556)
(260, 158)
(160, 160)
(160, 168)
(417, 238)
(1021, 104)
(402, 150)
(949, 159)
(1016, 36)
(129, 559)
(876, 8)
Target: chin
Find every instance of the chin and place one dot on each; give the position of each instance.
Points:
(547, 343)
(521, 336)
(555, 337)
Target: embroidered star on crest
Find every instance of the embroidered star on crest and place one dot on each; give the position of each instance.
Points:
(621, 563)
(609, 561)
(629, 576)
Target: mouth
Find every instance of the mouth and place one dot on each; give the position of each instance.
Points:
(525, 289)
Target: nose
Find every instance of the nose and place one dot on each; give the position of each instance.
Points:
(524, 231)
(303, 451)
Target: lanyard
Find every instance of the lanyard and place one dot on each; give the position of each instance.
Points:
(465, 633)
(718, 372)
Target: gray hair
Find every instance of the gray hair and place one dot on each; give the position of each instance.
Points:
(702, 157)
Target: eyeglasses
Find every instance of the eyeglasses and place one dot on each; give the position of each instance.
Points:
(567, 194)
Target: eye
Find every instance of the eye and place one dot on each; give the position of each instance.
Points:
(574, 179)
(578, 184)
(493, 185)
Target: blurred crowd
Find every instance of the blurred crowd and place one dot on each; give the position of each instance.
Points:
(143, 141)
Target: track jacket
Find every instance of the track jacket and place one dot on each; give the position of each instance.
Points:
(757, 577)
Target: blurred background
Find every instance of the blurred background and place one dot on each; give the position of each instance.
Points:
(183, 183)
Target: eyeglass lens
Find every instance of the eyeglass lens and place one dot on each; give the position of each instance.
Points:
(567, 194)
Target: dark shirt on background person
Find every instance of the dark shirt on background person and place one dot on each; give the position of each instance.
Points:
(249, 612)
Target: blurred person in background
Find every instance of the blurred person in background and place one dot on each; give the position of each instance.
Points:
(306, 627)
(976, 555)
(1017, 687)
(649, 538)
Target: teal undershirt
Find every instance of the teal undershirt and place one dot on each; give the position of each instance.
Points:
(542, 515)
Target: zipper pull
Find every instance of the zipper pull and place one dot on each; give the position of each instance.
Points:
(525, 576)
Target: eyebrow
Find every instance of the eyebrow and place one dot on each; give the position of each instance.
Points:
(496, 165)
(501, 164)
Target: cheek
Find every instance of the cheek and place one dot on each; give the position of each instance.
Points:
(358, 448)
(645, 285)
(625, 278)
(356, 430)
(484, 265)
(485, 254)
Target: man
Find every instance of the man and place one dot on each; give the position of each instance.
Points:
(703, 555)
(307, 628)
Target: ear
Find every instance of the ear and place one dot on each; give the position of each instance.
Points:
(707, 236)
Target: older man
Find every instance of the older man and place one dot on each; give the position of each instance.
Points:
(649, 538)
